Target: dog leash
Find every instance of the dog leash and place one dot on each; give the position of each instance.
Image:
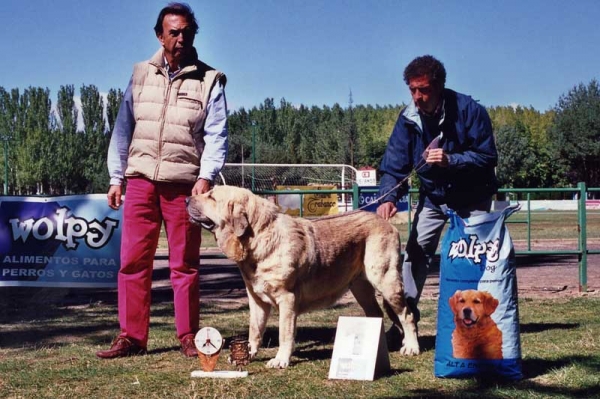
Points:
(435, 143)
(415, 169)
(419, 166)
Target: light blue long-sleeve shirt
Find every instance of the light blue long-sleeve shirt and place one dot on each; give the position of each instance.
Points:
(215, 136)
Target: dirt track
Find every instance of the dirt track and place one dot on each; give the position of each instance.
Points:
(543, 276)
(220, 281)
(537, 276)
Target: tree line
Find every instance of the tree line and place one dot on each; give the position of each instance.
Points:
(47, 152)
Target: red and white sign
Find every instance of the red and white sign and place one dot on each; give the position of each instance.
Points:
(592, 204)
(366, 177)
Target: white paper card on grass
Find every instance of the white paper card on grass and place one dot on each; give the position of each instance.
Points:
(360, 349)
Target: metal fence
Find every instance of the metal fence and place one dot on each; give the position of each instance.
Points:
(581, 192)
(582, 250)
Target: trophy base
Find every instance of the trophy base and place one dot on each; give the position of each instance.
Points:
(219, 374)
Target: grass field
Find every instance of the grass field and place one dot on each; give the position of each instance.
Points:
(48, 338)
(50, 354)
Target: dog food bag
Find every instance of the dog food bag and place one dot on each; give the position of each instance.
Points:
(478, 317)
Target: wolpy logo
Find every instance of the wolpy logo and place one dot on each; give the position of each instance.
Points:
(65, 228)
(473, 249)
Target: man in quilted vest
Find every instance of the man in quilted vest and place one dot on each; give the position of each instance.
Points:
(169, 142)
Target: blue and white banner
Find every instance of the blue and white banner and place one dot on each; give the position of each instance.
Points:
(368, 201)
(70, 241)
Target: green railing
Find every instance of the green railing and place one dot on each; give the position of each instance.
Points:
(582, 248)
(581, 252)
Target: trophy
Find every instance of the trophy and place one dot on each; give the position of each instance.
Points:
(240, 352)
(209, 344)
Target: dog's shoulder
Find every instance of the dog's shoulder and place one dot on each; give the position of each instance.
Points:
(283, 233)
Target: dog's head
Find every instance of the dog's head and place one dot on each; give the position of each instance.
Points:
(471, 307)
(231, 214)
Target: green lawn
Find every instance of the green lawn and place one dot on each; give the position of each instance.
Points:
(47, 348)
(48, 338)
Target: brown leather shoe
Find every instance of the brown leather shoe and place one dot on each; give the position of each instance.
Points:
(188, 347)
(122, 347)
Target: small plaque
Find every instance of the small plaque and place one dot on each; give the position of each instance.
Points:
(360, 349)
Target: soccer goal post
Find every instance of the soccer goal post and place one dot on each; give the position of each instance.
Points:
(265, 177)
(282, 177)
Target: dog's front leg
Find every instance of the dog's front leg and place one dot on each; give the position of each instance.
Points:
(287, 331)
(259, 314)
(410, 344)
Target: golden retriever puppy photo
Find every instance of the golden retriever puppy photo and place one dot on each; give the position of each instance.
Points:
(476, 335)
(296, 265)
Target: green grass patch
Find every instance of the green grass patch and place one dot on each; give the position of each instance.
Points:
(47, 350)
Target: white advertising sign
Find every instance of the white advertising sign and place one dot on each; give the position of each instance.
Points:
(366, 177)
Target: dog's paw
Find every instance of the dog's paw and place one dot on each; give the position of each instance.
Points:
(410, 350)
(276, 363)
(253, 350)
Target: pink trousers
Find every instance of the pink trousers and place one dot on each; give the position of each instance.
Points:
(147, 204)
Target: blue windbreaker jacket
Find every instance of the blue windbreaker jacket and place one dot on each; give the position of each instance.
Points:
(467, 138)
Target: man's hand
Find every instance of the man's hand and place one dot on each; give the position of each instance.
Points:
(437, 156)
(201, 186)
(387, 210)
(114, 196)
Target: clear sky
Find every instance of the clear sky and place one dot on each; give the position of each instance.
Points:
(314, 52)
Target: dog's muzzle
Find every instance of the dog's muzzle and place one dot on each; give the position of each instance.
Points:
(202, 220)
(210, 226)
(468, 319)
(204, 223)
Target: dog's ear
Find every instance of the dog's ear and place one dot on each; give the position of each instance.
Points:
(454, 299)
(233, 248)
(491, 304)
(239, 219)
(240, 224)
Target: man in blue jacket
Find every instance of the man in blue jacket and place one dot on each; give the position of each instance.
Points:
(447, 138)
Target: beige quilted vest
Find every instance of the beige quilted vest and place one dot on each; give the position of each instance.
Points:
(169, 116)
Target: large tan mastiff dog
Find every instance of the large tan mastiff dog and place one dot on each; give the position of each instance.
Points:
(298, 265)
